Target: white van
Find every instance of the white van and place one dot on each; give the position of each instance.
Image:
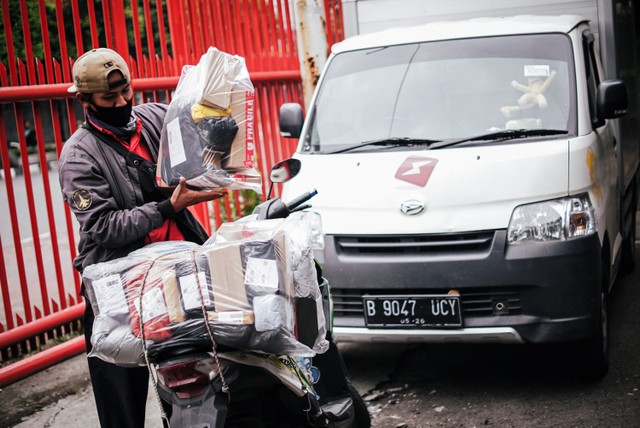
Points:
(472, 182)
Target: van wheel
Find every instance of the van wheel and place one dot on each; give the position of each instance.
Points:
(589, 359)
(628, 262)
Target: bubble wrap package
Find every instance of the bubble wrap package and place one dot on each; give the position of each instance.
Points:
(254, 282)
(208, 132)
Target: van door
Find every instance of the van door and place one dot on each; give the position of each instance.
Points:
(603, 164)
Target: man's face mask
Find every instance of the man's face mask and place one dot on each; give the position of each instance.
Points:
(114, 116)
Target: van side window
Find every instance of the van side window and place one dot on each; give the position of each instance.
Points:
(593, 79)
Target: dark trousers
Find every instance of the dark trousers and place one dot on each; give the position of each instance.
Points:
(120, 393)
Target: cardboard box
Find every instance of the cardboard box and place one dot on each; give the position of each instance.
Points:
(172, 296)
(219, 72)
(263, 231)
(227, 278)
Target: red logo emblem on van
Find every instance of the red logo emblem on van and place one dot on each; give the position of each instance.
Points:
(416, 170)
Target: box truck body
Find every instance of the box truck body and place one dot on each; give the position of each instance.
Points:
(476, 179)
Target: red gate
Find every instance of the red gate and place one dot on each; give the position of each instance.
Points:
(38, 42)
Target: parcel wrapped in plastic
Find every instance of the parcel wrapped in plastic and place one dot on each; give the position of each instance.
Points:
(296, 234)
(208, 133)
(245, 282)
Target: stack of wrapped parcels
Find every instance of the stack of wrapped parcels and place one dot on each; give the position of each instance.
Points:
(208, 132)
(254, 282)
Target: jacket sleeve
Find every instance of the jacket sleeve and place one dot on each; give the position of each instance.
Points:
(98, 203)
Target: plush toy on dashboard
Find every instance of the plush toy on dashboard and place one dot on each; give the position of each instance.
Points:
(533, 94)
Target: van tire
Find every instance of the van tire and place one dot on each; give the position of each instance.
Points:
(589, 358)
(628, 257)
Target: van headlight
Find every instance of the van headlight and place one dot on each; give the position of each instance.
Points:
(317, 238)
(556, 220)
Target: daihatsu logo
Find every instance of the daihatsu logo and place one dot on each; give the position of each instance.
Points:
(412, 207)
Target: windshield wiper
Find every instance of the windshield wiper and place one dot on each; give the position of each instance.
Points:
(506, 134)
(388, 142)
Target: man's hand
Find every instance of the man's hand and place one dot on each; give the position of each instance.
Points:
(184, 197)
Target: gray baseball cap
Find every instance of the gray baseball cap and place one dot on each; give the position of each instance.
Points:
(91, 70)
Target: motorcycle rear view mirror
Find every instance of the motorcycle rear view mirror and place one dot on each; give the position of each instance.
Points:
(283, 171)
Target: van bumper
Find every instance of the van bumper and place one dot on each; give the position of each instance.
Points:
(535, 293)
(463, 335)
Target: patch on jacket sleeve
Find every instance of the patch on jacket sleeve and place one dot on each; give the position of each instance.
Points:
(82, 199)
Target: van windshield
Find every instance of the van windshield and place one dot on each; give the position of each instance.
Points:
(446, 90)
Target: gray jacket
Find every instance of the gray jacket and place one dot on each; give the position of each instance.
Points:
(105, 194)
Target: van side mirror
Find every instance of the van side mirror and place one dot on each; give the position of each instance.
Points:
(291, 120)
(611, 101)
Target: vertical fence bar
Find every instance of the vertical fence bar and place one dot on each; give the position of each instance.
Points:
(163, 39)
(55, 119)
(195, 30)
(26, 302)
(46, 42)
(95, 41)
(248, 31)
(217, 19)
(273, 37)
(26, 34)
(106, 18)
(137, 38)
(44, 27)
(6, 296)
(293, 50)
(35, 234)
(8, 34)
(234, 45)
(77, 26)
(150, 38)
(121, 40)
(207, 23)
(4, 155)
(253, 34)
(44, 168)
(62, 41)
(31, 79)
(176, 33)
(67, 210)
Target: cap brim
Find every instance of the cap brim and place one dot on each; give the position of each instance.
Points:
(72, 88)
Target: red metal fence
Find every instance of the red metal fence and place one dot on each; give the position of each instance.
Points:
(38, 42)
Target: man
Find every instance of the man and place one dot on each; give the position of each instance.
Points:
(30, 134)
(107, 176)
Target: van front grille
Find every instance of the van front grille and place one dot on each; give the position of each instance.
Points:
(465, 243)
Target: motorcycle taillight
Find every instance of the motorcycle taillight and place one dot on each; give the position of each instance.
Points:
(184, 379)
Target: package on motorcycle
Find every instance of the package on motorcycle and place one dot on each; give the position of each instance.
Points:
(164, 282)
(247, 278)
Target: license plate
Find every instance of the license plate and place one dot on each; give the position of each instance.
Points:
(415, 311)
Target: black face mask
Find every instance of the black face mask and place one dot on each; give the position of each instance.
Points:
(114, 116)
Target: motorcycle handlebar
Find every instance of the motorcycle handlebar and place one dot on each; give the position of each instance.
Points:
(275, 208)
(296, 202)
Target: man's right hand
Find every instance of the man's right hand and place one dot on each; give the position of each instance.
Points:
(184, 197)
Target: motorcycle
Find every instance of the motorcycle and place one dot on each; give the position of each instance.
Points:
(210, 385)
